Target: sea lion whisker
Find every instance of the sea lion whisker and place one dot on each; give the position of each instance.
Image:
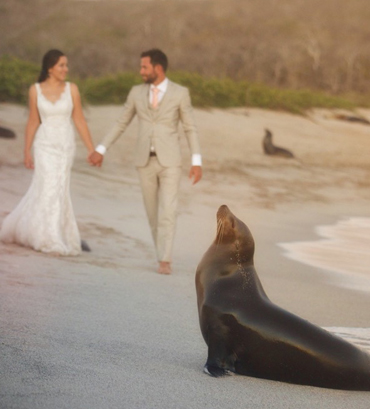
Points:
(220, 231)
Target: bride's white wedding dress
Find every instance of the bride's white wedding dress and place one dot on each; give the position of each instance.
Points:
(44, 218)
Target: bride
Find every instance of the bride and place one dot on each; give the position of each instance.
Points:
(44, 218)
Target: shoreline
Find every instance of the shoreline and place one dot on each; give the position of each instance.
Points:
(340, 251)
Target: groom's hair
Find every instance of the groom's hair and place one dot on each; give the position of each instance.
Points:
(157, 57)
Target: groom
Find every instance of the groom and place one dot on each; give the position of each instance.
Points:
(159, 105)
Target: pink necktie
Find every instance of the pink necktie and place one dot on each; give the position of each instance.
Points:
(155, 97)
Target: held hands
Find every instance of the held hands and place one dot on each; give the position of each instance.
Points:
(95, 159)
(195, 174)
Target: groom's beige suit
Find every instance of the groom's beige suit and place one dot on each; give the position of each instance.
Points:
(160, 173)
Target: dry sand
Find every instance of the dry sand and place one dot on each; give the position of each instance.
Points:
(103, 330)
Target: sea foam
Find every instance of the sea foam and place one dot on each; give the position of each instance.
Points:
(343, 251)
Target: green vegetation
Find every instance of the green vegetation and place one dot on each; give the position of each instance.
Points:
(296, 101)
(216, 92)
(16, 76)
(110, 89)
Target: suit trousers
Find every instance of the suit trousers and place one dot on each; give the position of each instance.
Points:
(160, 186)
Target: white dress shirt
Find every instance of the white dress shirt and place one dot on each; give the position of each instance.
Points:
(162, 87)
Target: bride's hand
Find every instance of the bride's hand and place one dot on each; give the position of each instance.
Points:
(28, 161)
(95, 159)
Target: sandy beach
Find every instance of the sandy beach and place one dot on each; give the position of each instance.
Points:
(104, 330)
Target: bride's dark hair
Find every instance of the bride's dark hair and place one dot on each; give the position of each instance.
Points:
(48, 61)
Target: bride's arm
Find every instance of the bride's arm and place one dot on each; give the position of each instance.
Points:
(79, 119)
(31, 127)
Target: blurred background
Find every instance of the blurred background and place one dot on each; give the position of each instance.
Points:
(288, 44)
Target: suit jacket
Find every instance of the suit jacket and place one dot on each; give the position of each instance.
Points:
(158, 127)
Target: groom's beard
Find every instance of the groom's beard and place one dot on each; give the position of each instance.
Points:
(149, 79)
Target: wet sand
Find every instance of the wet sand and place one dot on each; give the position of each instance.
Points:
(342, 248)
(104, 330)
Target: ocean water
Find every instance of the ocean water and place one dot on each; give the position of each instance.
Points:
(342, 251)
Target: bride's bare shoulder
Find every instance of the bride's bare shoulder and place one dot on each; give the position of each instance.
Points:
(74, 89)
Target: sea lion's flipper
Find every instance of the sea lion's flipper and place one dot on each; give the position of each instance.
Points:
(221, 361)
(215, 371)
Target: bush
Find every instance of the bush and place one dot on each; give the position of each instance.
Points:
(296, 101)
(16, 76)
(112, 89)
(212, 92)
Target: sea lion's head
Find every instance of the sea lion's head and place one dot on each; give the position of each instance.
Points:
(232, 231)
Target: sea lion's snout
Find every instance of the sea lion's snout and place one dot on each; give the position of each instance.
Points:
(222, 212)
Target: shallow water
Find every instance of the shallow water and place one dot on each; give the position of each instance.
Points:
(343, 251)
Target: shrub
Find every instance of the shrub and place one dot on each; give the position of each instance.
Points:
(111, 89)
(296, 101)
(16, 76)
(212, 92)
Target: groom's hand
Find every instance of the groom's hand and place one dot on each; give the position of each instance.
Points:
(195, 174)
(95, 159)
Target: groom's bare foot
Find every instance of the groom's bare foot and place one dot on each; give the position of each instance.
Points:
(164, 267)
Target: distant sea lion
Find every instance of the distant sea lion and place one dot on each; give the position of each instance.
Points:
(85, 246)
(6, 133)
(352, 118)
(270, 149)
(248, 334)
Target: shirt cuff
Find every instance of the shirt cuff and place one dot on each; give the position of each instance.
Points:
(196, 159)
(101, 149)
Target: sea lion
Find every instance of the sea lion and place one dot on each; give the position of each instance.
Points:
(6, 133)
(352, 118)
(270, 149)
(248, 334)
(85, 246)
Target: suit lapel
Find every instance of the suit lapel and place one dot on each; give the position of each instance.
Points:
(167, 96)
(145, 99)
